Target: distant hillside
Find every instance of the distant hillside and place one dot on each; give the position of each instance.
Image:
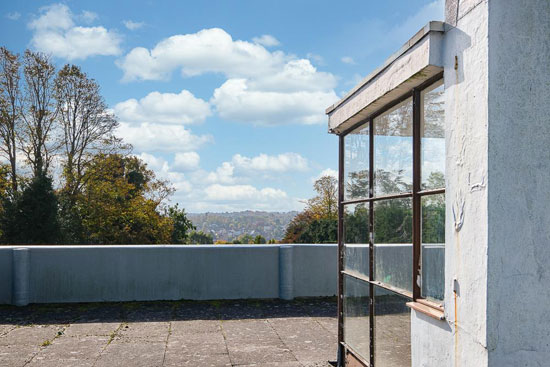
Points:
(229, 226)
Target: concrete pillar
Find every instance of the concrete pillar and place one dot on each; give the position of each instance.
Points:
(21, 270)
(286, 272)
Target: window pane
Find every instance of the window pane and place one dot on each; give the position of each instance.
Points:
(356, 238)
(433, 137)
(433, 247)
(392, 329)
(356, 315)
(356, 164)
(393, 150)
(393, 242)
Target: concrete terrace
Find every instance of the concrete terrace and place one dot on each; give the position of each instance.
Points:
(302, 332)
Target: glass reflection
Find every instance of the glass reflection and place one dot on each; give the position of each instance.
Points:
(432, 128)
(393, 150)
(356, 163)
(356, 239)
(392, 329)
(393, 242)
(433, 247)
(356, 315)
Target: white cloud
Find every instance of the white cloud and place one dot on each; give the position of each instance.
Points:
(348, 60)
(242, 192)
(55, 32)
(326, 172)
(186, 161)
(263, 87)
(223, 174)
(131, 25)
(13, 16)
(164, 108)
(164, 171)
(319, 60)
(266, 40)
(88, 16)
(279, 163)
(234, 100)
(160, 137)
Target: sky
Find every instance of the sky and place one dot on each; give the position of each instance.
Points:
(225, 99)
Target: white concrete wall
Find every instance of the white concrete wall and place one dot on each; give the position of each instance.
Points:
(461, 339)
(125, 273)
(518, 184)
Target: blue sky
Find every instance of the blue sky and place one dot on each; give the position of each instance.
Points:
(225, 99)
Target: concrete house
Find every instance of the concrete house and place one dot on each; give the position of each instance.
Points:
(444, 176)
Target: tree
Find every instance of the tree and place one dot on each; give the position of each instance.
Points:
(121, 203)
(259, 239)
(181, 224)
(325, 204)
(10, 113)
(87, 124)
(32, 216)
(39, 113)
(200, 238)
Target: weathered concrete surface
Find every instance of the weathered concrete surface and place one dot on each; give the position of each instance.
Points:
(217, 333)
(59, 274)
(418, 60)
(518, 184)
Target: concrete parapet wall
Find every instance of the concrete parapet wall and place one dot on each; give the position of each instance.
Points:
(56, 274)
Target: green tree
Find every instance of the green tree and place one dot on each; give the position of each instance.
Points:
(32, 216)
(121, 203)
(200, 238)
(181, 224)
(259, 239)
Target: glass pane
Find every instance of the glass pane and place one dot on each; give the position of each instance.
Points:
(392, 329)
(393, 150)
(356, 164)
(356, 315)
(433, 247)
(433, 137)
(356, 238)
(393, 242)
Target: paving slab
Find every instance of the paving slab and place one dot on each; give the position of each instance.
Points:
(181, 333)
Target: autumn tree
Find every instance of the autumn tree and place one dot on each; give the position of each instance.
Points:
(121, 202)
(325, 203)
(39, 112)
(181, 224)
(10, 112)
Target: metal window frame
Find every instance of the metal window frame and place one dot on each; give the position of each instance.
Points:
(416, 194)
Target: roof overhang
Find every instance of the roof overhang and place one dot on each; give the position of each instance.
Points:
(417, 61)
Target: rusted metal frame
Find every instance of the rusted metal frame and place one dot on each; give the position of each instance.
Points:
(341, 148)
(402, 292)
(417, 229)
(356, 355)
(431, 192)
(379, 198)
(371, 241)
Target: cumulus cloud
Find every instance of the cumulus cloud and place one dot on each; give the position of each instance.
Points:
(348, 60)
(164, 108)
(234, 100)
(160, 137)
(326, 172)
(266, 40)
(186, 161)
(164, 171)
(263, 87)
(88, 16)
(131, 25)
(13, 16)
(55, 32)
(279, 163)
(242, 192)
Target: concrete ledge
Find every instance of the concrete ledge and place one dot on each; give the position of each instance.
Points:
(417, 61)
(62, 274)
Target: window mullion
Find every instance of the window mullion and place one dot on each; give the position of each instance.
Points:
(416, 235)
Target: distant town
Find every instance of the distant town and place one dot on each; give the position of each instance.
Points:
(231, 226)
